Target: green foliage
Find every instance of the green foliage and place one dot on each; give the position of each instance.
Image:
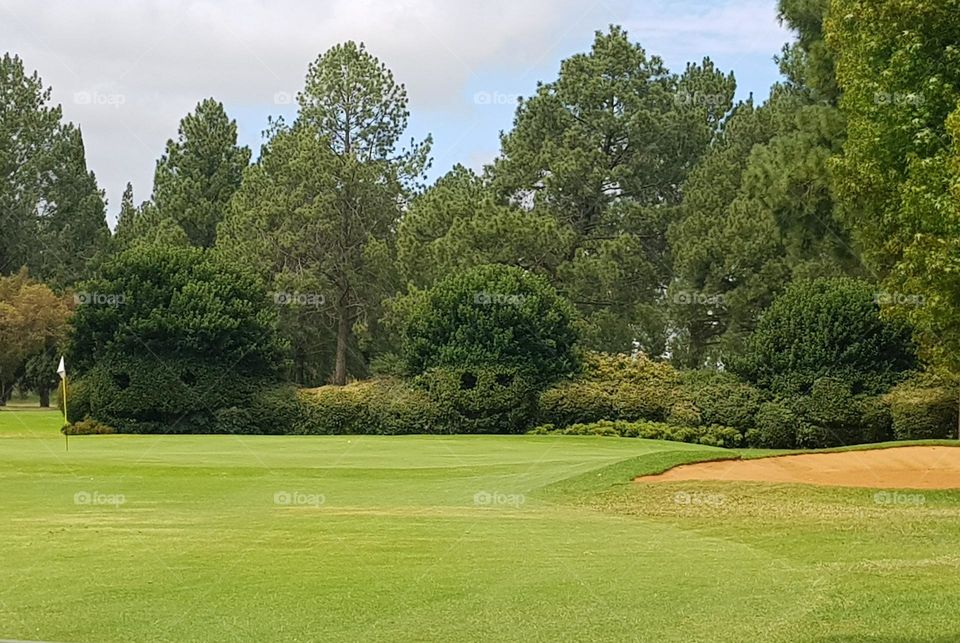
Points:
(581, 402)
(718, 436)
(831, 415)
(623, 387)
(776, 427)
(199, 172)
(482, 399)
(317, 214)
(33, 321)
(924, 408)
(87, 426)
(52, 213)
(601, 152)
(168, 339)
(757, 214)
(721, 398)
(458, 224)
(376, 407)
(826, 328)
(491, 316)
(758, 211)
(898, 179)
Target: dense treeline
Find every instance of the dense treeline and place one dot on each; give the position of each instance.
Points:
(763, 238)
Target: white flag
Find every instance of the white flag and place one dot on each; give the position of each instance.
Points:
(62, 369)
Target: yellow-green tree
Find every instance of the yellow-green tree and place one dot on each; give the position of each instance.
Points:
(33, 320)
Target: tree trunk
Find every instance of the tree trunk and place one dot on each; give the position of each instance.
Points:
(44, 397)
(343, 340)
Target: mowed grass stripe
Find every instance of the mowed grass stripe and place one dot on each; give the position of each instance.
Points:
(399, 549)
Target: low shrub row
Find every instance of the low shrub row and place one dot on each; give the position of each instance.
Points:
(631, 389)
(615, 395)
(377, 407)
(476, 400)
(719, 436)
(173, 401)
(87, 426)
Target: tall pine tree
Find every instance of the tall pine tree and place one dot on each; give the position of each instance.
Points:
(199, 172)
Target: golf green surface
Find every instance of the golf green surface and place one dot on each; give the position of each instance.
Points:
(450, 538)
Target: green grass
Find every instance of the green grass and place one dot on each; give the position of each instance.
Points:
(390, 543)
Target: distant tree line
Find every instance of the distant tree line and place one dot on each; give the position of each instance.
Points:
(670, 216)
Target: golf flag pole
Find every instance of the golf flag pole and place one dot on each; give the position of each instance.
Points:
(62, 372)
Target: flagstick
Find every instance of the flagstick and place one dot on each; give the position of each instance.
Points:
(66, 435)
(62, 372)
(65, 420)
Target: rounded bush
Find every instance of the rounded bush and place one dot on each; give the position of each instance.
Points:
(826, 328)
(776, 427)
(87, 426)
(922, 410)
(482, 400)
(490, 316)
(175, 342)
(721, 398)
(576, 403)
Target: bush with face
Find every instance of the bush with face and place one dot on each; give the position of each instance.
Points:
(483, 399)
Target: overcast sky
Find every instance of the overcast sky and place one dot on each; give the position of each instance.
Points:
(127, 72)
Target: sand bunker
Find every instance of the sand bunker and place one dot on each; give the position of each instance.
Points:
(896, 468)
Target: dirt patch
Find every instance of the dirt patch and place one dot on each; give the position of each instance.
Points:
(896, 468)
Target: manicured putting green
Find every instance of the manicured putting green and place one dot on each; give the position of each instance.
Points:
(448, 538)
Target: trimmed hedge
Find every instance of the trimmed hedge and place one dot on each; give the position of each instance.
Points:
(831, 415)
(719, 436)
(615, 387)
(632, 388)
(188, 346)
(144, 395)
(490, 316)
(482, 400)
(440, 401)
(373, 407)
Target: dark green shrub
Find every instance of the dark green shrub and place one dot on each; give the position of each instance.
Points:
(78, 399)
(685, 413)
(275, 409)
(776, 427)
(175, 342)
(638, 402)
(811, 436)
(482, 400)
(830, 415)
(923, 409)
(87, 426)
(721, 398)
(875, 419)
(826, 328)
(233, 419)
(141, 395)
(490, 316)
